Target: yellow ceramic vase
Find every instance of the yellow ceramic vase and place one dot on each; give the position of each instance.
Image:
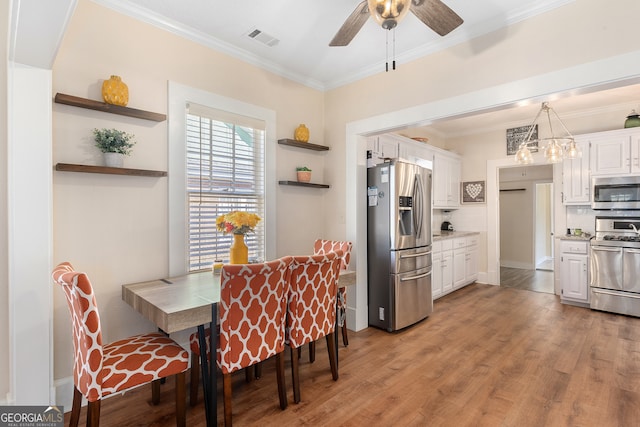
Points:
(238, 252)
(115, 91)
(301, 133)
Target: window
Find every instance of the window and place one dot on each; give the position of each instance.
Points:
(221, 157)
(224, 173)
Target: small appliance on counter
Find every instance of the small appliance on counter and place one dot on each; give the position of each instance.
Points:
(446, 226)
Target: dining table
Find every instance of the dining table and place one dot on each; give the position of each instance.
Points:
(191, 300)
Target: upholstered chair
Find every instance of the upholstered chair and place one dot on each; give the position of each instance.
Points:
(312, 308)
(253, 308)
(100, 370)
(322, 246)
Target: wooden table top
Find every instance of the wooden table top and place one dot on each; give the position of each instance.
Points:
(184, 302)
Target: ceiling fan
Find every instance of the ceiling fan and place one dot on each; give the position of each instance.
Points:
(433, 13)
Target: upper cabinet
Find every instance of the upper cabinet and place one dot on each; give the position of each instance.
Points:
(575, 177)
(615, 152)
(446, 181)
(445, 165)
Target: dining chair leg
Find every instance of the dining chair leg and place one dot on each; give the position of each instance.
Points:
(195, 379)
(181, 404)
(295, 379)
(333, 358)
(93, 414)
(226, 391)
(312, 351)
(75, 408)
(282, 390)
(155, 392)
(345, 339)
(258, 370)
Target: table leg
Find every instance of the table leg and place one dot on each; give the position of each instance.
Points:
(212, 419)
(204, 366)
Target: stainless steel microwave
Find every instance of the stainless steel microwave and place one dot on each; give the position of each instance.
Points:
(621, 192)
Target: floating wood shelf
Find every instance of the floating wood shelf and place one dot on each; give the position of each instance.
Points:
(68, 167)
(76, 101)
(304, 184)
(307, 145)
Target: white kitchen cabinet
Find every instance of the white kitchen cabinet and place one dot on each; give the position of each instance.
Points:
(383, 147)
(574, 267)
(615, 152)
(442, 268)
(471, 260)
(576, 180)
(446, 181)
(459, 262)
(455, 264)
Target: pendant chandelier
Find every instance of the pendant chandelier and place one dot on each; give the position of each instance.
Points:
(556, 148)
(388, 13)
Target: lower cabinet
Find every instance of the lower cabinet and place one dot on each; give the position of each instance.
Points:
(455, 264)
(574, 270)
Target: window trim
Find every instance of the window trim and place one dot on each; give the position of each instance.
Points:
(179, 96)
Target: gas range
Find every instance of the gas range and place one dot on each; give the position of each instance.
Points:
(615, 265)
(617, 232)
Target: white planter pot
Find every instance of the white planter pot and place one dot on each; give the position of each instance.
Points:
(113, 160)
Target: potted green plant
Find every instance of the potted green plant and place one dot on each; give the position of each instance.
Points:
(115, 144)
(304, 174)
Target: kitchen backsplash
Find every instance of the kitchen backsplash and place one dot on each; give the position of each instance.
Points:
(585, 218)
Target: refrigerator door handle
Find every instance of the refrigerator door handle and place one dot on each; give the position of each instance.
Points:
(419, 276)
(416, 255)
(417, 196)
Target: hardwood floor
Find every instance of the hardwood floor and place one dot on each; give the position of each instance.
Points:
(487, 356)
(531, 280)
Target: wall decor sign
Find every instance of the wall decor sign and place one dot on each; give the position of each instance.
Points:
(515, 136)
(473, 192)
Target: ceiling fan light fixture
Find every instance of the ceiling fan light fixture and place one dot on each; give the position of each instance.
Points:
(388, 13)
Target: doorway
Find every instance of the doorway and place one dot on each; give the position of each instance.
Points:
(525, 201)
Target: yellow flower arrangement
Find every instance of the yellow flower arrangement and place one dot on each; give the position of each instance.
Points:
(237, 222)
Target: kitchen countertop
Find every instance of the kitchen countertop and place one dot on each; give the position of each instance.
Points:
(443, 235)
(572, 237)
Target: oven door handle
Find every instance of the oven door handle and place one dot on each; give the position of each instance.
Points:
(617, 294)
(605, 249)
(632, 251)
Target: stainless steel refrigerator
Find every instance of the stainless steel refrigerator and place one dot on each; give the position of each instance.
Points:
(398, 244)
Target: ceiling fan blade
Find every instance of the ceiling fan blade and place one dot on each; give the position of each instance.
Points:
(352, 25)
(436, 15)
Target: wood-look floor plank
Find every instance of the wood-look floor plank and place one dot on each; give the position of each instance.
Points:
(487, 356)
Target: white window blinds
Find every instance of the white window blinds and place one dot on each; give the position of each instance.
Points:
(225, 172)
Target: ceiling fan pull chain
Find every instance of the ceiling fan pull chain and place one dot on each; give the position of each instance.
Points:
(394, 49)
(386, 64)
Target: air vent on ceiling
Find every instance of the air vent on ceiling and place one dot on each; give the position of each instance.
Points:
(263, 38)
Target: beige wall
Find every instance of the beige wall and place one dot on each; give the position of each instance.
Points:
(580, 32)
(115, 228)
(4, 285)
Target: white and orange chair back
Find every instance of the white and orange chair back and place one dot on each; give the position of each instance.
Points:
(253, 307)
(101, 370)
(252, 311)
(312, 307)
(322, 246)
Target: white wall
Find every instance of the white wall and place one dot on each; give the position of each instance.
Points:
(4, 206)
(30, 224)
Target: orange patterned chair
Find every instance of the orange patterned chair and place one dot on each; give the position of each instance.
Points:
(253, 307)
(322, 246)
(312, 307)
(101, 370)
